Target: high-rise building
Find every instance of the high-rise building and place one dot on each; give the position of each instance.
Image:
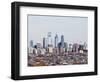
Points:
(56, 41)
(45, 42)
(39, 45)
(80, 47)
(35, 51)
(49, 38)
(61, 49)
(70, 47)
(50, 49)
(62, 41)
(59, 44)
(66, 46)
(85, 46)
(75, 47)
(31, 44)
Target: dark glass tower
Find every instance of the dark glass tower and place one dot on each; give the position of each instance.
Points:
(44, 45)
(45, 42)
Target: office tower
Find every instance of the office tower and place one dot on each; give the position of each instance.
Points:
(56, 41)
(85, 46)
(34, 51)
(62, 41)
(59, 45)
(31, 44)
(66, 46)
(61, 49)
(50, 49)
(70, 48)
(49, 38)
(75, 47)
(39, 45)
(80, 47)
(44, 42)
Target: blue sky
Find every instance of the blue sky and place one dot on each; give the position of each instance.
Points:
(74, 29)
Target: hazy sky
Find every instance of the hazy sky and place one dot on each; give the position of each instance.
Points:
(74, 29)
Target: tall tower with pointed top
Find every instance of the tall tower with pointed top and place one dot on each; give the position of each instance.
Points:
(56, 41)
(62, 41)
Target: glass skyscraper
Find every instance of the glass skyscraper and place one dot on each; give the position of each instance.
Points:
(62, 41)
(31, 44)
(56, 41)
(45, 42)
(49, 38)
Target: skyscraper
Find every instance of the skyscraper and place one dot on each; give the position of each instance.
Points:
(70, 47)
(49, 38)
(66, 46)
(39, 45)
(85, 46)
(45, 44)
(62, 41)
(81, 47)
(31, 44)
(56, 41)
(75, 47)
(44, 41)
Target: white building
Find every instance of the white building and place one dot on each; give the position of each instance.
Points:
(43, 51)
(30, 50)
(50, 49)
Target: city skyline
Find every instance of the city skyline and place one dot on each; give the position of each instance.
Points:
(74, 29)
(58, 41)
(49, 40)
(61, 53)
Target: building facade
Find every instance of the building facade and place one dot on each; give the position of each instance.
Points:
(62, 41)
(56, 41)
